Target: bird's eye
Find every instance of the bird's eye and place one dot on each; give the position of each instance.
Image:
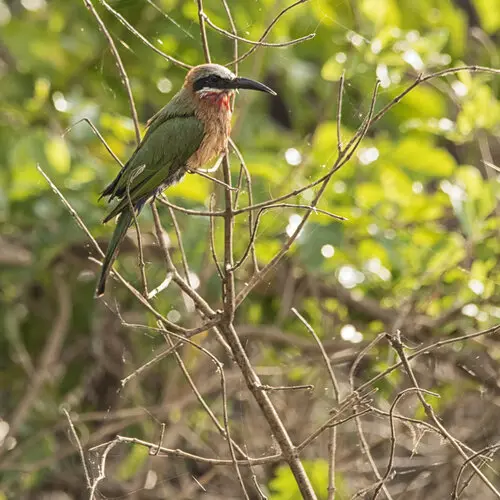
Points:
(213, 79)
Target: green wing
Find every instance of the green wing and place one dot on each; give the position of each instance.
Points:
(158, 161)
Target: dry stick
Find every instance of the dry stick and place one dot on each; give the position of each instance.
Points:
(220, 369)
(171, 19)
(359, 426)
(397, 99)
(271, 459)
(234, 31)
(212, 240)
(143, 39)
(455, 494)
(396, 344)
(407, 420)
(371, 460)
(393, 434)
(339, 110)
(206, 460)
(223, 430)
(201, 305)
(421, 79)
(155, 359)
(255, 42)
(213, 179)
(102, 468)
(187, 211)
(424, 350)
(98, 134)
(253, 234)
(248, 178)
(135, 119)
(331, 422)
(228, 282)
(341, 160)
(119, 64)
(176, 277)
(203, 31)
(133, 290)
(178, 235)
(255, 481)
(332, 441)
(308, 387)
(80, 449)
(160, 441)
(253, 382)
(266, 32)
(140, 253)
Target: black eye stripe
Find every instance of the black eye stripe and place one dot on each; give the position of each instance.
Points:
(211, 81)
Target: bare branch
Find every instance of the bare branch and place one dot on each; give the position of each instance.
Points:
(141, 37)
(255, 42)
(119, 64)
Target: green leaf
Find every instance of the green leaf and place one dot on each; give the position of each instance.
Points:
(58, 154)
(489, 13)
(368, 195)
(133, 462)
(284, 487)
(421, 156)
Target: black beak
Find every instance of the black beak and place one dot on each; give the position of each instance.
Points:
(246, 83)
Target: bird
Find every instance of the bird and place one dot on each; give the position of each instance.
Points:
(188, 132)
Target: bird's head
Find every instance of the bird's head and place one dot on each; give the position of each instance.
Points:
(214, 82)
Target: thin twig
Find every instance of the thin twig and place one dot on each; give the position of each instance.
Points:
(187, 211)
(393, 435)
(223, 430)
(341, 160)
(212, 240)
(332, 441)
(421, 79)
(339, 110)
(119, 64)
(455, 494)
(203, 31)
(80, 449)
(279, 431)
(98, 134)
(210, 178)
(253, 234)
(396, 344)
(266, 32)
(178, 235)
(102, 468)
(228, 282)
(248, 178)
(256, 42)
(140, 251)
(272, 388)
(331, 422)
(142, 38)
(426, 350)
(234, 32)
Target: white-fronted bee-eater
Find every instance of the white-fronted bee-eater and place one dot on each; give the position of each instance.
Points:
(192, 129)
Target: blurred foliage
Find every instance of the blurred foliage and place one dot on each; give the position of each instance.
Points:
(423, 222)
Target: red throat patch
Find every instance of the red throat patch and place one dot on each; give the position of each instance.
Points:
(221, 99)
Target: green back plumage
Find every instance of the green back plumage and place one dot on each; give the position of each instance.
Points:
(173, 136)
(158, 161)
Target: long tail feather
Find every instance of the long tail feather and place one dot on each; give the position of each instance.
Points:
(122, 225)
